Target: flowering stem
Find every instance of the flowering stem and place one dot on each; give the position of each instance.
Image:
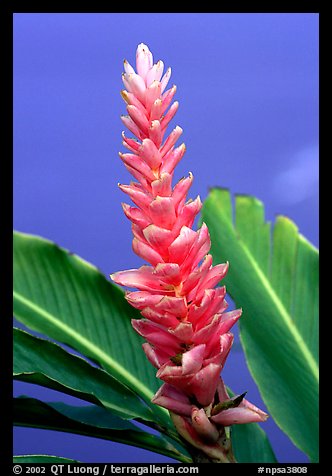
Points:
(183, 313)
(201, 449)
(199, 456)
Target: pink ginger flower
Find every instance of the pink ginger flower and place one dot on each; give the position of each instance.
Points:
(184, 319)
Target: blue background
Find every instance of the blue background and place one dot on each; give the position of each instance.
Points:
(248, 93)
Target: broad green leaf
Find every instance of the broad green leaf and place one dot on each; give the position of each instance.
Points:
(45, 363)
(90, 421)
(275, 280)
(66, 298)
(251, 445)
(38, 459)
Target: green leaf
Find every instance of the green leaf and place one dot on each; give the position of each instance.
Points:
(275, 281)
(37, 459)
(45, 363)
(90, 421)
(66, 298)
(251, 445)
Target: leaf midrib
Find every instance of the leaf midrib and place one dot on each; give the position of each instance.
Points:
(102, 356)
(279, 305)
(285, 315)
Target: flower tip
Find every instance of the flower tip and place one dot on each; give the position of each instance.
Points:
(237, 400)
(124, 95)
(142, 47)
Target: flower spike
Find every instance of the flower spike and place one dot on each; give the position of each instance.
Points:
(184, 321)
